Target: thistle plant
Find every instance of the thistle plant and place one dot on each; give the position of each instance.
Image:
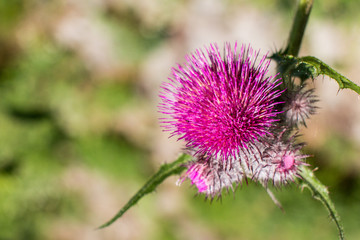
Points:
(240, 124)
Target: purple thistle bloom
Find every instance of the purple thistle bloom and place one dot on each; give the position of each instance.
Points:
(220, 105)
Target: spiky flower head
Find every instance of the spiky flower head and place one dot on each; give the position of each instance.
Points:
(220, 104)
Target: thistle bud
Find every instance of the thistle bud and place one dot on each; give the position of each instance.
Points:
(271, 159)
(299, 107)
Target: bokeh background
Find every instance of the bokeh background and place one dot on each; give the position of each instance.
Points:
(79, 130)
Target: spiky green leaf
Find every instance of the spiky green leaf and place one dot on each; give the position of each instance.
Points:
(311, 67)
(321, 193)
(321, 68)
(165, 171)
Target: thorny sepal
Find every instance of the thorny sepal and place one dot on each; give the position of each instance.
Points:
(310, 67)
(165, 171)
(321, 193)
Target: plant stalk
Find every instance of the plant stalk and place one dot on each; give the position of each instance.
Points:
(298, 28)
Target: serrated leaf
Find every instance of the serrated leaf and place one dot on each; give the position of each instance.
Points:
(309, 66)
(165, 171)
(320, 192)
(324, 69)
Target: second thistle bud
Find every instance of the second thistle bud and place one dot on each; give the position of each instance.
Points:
(299, 106)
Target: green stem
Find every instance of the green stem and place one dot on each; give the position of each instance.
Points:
(164, 172)
(298, 27)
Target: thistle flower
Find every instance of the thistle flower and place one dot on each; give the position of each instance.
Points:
(226, 111)
(220, 104)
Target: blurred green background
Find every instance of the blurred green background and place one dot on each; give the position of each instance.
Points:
(79, 131)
